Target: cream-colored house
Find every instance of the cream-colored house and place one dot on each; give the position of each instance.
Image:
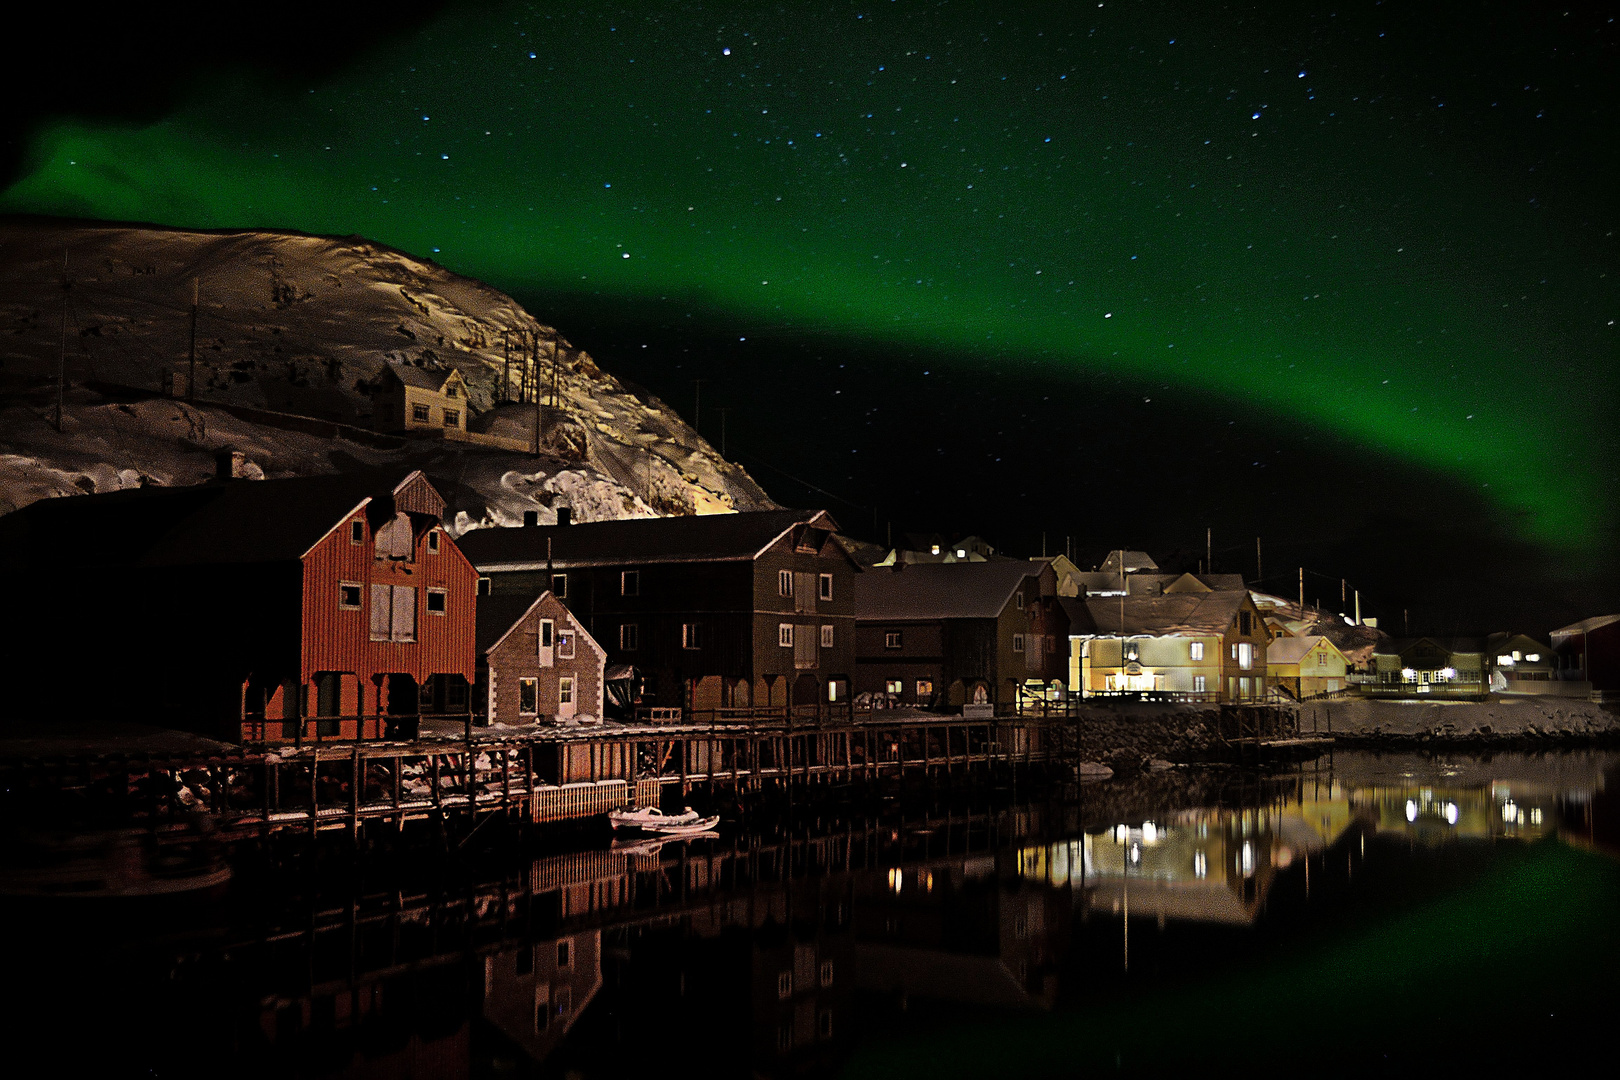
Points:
(412, 399)
(1197, 646)
(1306, 666)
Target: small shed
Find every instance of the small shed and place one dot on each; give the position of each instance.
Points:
(415, 399)
(537, 662)
(1306, 666)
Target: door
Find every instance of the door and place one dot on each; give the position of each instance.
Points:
(566, 706)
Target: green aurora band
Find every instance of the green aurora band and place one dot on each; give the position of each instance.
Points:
(1063, 190)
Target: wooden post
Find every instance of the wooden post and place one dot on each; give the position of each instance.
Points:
(356, 781)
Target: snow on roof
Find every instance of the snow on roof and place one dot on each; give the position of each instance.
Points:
(1290, 650)
(961, 590)
(698, 538)
(411, 375)
(1134, 560)
(1178, 614)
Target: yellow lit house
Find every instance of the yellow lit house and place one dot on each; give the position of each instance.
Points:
(1197, 646)
(412, 399)
(1306, 666)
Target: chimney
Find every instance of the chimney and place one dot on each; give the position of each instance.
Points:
(531, 518)
(228, 465)
(565, 515)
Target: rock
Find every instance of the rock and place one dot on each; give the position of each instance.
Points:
(1093, 770)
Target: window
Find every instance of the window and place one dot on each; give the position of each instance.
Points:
(452, 417)
(1195, 651)
(629, 637)
(1198, 684)
(891, 640)
(559, 586)
(1018, 643)
(357, 532)
(393, 613)
(630, 583)
(565, 955)
(1018, 599)
(528, 697)
(1321, 659)
(1051, 643)
(826, 974)
(925, 689)
(565, 644)
(894, 686)
(420, 414)
(784, 582)
(450, 391)
(825, 586)
(784, 985)
(826, 636)
(547, 633)
(349, 596)
(433, 541)
(784, 635)
(1245, 655)
(435, 601)
(691, 635)
(483, 586)
(565, 690)
(1245, 623)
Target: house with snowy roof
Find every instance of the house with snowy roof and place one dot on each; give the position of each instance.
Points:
(1194, 646)
(1306, 667)
(416, 399)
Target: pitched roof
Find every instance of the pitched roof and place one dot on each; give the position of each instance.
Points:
(243, 521)
(962, 590)
(411, 375)
(1157, 616)
(1134, 560)
(1400, 646)
(1586, 626)
(1290, 650)
(698, 538)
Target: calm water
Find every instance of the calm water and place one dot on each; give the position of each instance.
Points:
(1372, 913)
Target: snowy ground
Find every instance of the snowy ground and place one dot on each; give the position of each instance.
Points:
(304, 325)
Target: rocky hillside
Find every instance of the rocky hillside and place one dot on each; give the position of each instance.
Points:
(292, 326)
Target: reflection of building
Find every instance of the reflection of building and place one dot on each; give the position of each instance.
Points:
(535, 992)
(953, 931)
(1434, 814)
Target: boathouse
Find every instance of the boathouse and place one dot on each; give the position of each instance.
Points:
(256, 611)
(750, 611)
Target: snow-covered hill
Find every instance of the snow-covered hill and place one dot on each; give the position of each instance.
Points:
(304, 325)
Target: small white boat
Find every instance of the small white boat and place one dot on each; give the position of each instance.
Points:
(685, 828)
(640, 817)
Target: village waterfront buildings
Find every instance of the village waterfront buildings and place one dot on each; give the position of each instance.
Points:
(1190, 646)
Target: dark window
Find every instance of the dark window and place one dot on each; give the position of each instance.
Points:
(1244, 624)
(483, 586)
(420, 413)
(349, 596)
(629, 637)
(559, 586)
(691, 635)
(327, 694)
(784, 582)
(826, 586)
(435, 601)
(528, 696)
(630, 583)
(452, 417)
(525, 960)
(357, 532)
(891, 640)
(433, 542)
(563, 954)
(547, 628)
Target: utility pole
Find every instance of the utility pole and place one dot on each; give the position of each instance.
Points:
(191, 363)
(697, 406)
(1209, 550)
(1344, 588)
(61, 360)
(506, 351)
(723, 432)
(1259, 563)
(1302, 592)
(539, 417)
(1358, 607)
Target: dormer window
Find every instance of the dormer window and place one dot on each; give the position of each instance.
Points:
(450, 391)
(433, 542)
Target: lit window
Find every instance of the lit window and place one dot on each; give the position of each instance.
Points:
(691, 635)
(784, 635)
(1245, 655)
(826, 637)
(961, 553)
(528, 697)
(1533, 657)
(893, 686)
(925, 689)
(784, 582)
(629, 636)
(433, 542)
(565, 690)
(936, 549)
(435, 601)
(357, 532)
(825, 585)
(1196, 650)
(420, 414)
(1018, 643)
(1198, 684)
(349, 596)
(891, 640)
(630, 583)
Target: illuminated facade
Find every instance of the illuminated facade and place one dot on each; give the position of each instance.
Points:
(1203, 646)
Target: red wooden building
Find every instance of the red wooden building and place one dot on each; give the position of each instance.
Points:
(274, 611)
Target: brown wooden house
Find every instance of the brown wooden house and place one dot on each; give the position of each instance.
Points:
(540, 664)
(725, 611)
(274, 610)
(943, 635)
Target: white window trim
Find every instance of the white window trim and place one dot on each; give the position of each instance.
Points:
(1018, 643)
(428, 603)
(893, 640)
(359, 588)
(824, 584)
(1195, 651)
(784, 635)
(357, 532)
(565, 690)
(784, 583)
(826, 635)
(433, 542)
(630, 583)
(629, 637)
(565, 644)
(536, 710)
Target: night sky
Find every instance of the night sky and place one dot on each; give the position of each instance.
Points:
(1338, 275)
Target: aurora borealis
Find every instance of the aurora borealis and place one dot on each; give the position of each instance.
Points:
(1311, 216)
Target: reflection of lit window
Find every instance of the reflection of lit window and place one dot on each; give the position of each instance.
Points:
(1246, 859)
(1451, 813)
(1510, 812)
(1411, 810)
(896, 879)
(1535, 812)
(784, 985)
(1200, 864)
(1136, 853)
(1150, 832)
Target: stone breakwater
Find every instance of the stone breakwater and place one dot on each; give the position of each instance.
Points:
(1505, 722)
(1128, 737)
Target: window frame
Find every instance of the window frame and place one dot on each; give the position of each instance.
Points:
(548, 633)
(784, 635)
(452, 418)
(565, 644)
(629, 582)
(629, 637)
(1018, 643)
(565, 690)
(359, 596)
(562, 593)
(827, 635)
(1195, 650)
(784, 584)
(532, 685)
(483, 587)
(433, 542)
(421, 414)
(692, 635)
(357, 532)
(824, 586)
(894, 639)
(443, 596)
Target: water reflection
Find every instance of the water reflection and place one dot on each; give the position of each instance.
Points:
(781, 947)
